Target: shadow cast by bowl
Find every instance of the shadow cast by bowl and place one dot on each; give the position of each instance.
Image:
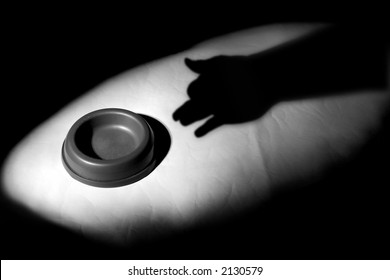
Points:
(162, 139)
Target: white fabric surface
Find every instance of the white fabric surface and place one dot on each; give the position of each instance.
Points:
(200, 179)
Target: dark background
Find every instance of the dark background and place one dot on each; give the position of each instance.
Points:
(51, 59)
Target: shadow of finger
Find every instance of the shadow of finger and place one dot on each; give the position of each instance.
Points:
(191, 112)
(208, 126)
(177, 115)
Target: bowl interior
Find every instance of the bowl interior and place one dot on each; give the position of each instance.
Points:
(110, 136)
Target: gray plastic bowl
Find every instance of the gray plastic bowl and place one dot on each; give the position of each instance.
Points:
(109, 148)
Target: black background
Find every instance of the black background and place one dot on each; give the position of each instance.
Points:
(51, 58)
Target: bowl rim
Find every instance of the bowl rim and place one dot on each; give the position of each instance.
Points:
(88, 160)
(111, 183)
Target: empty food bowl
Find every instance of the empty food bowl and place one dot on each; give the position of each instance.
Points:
(109, 148)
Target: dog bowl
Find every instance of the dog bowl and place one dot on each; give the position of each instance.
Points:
(109, 148)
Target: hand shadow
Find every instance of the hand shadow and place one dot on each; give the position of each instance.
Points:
(226, 88)
(237, 89)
